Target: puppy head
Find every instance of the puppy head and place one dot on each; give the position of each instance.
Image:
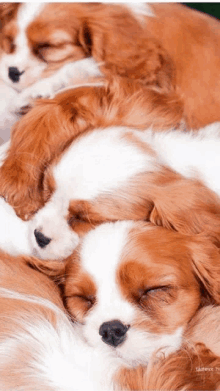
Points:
(113, 174)
(52, 124)
(34, 44)
(133, 287)
(38, 39)
(90, 184)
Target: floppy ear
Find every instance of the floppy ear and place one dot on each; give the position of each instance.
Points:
(206, 265)
(188, 207)
(40, 136)
(7, 12)
(53, 269)
(114, 37)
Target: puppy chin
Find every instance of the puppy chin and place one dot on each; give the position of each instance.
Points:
(52, 224)
(138, 347)
(56, 250)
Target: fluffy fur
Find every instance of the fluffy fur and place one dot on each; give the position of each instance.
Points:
(52, 125)
(119, 173)
(14, 232)
(40, 348)
(153, 282)
(166, 46)
(171, 47)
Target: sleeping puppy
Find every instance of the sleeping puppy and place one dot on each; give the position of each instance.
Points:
(122, 346)
(44, 132)
(136, 291)
(165, 46)
(64, 42)
(27, 73)
(118, 173)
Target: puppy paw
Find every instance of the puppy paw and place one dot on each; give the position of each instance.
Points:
(41, 89)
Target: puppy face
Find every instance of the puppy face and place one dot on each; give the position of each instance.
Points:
(89, 185)
(38, 39)
(33, 43)
(133, 287)
(19, 66)
(113, 174)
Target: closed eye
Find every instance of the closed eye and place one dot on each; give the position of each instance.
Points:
(155, 289)
(88, 300)
(40, 48)
(76, 218)
(164, 294)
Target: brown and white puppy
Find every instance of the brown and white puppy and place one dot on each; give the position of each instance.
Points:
(41, 349)
(134, 289)
(119, 173)
(51, 126)
(166, 46)
(73, 39)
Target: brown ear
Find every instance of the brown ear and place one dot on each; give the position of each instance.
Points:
(114, 37)
(85, 38)
(7, 12)
(188, 207)
(206, 265)
(53, 269)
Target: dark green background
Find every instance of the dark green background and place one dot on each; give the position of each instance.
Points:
(209, 8)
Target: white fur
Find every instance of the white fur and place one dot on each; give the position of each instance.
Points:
(8, 108)
(55, 227)
(102, 161)
(58, 356)
(16, 95)
(3, 151)
(100, 255)
(94, 164)
(140, 10)
(192, 154)
(99, 163)
(66, 76)
(14, 232)
(100, 260)
(23, 58)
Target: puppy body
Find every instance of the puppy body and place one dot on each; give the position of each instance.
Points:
(133, 274)
(44, 132)
(41, 349)
(118, 173)
(164, 46)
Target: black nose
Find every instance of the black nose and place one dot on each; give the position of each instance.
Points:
(14, 74)
(113, 333)
(42, 240)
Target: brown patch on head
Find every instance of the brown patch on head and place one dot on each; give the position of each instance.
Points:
(156, 275)
(49, 184)
(101, 31)
(80, 289)
(53, 35)
(8, 11)
(187, 206)
(80, 217)
(8, 26)
(8, 37)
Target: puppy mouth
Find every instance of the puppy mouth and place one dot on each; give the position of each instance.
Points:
(36, 253)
